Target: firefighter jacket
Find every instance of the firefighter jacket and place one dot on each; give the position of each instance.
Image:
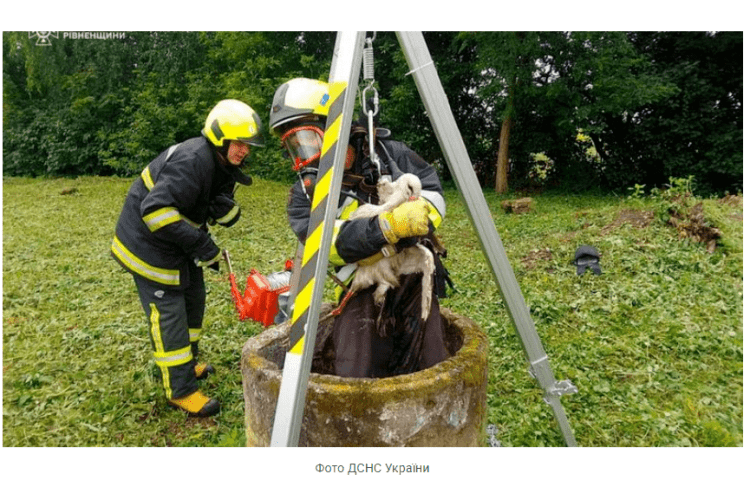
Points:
(162, 227)
(357, 239)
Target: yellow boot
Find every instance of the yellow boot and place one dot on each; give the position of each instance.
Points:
(202, 370)
(197, 405)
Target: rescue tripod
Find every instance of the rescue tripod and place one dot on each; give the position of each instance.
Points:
(308, 284)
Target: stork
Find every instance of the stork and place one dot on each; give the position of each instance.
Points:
(385, 273)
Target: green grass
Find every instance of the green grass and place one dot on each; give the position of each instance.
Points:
(654, 344)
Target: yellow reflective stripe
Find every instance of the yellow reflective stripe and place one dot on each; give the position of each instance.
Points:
(146, 176)
(159, 348)
(160, 218)
(231, 215)
(173, 358)
(347, 210)
(434, 216)
(195, 334)
(194, 224)
(333, 255)
(434, 213)
(155, 328)
(164, 216)
(157, 274)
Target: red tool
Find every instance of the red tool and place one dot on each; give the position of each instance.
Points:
(260, 301)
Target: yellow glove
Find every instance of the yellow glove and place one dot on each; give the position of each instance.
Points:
(406, 220)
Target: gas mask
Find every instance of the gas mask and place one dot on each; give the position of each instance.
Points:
(303, 144)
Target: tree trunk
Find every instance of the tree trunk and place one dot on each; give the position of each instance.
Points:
(501, 174)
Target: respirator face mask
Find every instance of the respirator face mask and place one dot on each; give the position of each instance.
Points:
(303, 144)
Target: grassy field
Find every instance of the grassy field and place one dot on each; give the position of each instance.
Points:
(654, 344)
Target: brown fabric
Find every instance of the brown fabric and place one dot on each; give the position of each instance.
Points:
(371, 341)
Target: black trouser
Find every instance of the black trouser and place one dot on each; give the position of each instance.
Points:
(175, 317)
(399, 343)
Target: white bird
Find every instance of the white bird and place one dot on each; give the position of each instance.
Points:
(415, 259)
(391, 194)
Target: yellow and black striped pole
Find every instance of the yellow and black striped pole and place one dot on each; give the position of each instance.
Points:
(343, 81)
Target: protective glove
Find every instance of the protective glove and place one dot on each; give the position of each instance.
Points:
(211, 262)
(223, 210)
(406, 220)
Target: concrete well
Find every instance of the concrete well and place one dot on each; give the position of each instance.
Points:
(444, 405)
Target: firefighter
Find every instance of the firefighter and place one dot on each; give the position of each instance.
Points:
(162, 239)
(299, 110)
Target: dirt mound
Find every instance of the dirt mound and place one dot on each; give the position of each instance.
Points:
(532, 259)
(732, 200)
(637, 218)
(693, 225)
(519, 206)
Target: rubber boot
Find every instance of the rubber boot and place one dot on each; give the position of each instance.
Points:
(202, 370)
(197, 405)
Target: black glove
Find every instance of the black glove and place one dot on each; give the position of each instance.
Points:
(207, 255)
(223, 210)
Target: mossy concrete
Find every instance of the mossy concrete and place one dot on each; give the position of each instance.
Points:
(444, 405)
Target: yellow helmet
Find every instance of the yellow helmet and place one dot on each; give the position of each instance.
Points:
(233, 120)
(299, 98)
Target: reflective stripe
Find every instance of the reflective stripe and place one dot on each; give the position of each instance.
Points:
(146, 173)
(171, 150)
(346, 272)
(343, 214)
(162, 217)
(159, 348)
(231, 215)
(333, 256)
(147, 180)
(437, 201)
(173, 358)
(345, 275)
(155, 328)
(348, 210)
(165, 216)
(157, 274)
(346, 207)
(194, 224)
(195, 334)
(436, 213)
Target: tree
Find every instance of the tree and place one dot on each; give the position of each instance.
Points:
(654, 105)
(107, 107)
(552, 85)
(698, 130)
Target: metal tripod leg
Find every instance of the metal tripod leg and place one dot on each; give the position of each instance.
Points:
(312, 271)
(454, 150)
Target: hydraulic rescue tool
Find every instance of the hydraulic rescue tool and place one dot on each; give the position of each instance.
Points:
(262, 296)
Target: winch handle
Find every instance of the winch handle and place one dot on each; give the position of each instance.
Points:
(225, 254)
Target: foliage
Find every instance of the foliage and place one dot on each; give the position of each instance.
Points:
(654, 344)
(653, 105)
(110, 106)
(698, 130)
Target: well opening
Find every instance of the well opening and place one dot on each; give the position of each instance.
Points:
(275, 352)
(444, 405)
